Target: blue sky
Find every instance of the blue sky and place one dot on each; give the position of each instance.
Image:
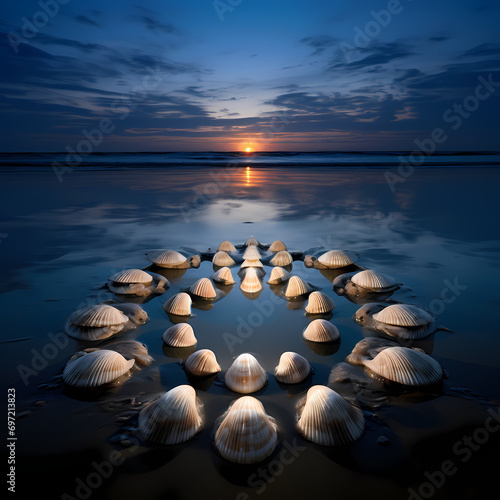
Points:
(200, 75)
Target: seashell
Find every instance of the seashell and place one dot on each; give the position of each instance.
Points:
(202, 362)
(278, 275)
(292, 368)
(245, 375)
(251, 282)
(179, 304)
(251, 253)
(222, 259)
(374, 281)
(226, 246)
(173, 418)
(203, 288)
(95, 369)
(328, 419)
(321, 330)
(252, 242)
(405, 366)
(277, 246)
(251, 263)
(319, 303)
(224, 276)
(247, 434)
(282, 258)
(180, 335)
(167, 258)
(132, 276)
(403, 315)
(337, 258)
(297, 286)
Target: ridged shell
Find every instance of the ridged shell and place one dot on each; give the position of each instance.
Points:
(226, 246)
(247, 435)
(252, 242)
(373, 280)
(403, 315)
(282, 258)
(278, 275)
(97, 316)
(167, 258)
(337, 258)
(245, 375)
(132, 276)
(203, 288)
(222, 259)
(251, 282)
(406, 366)
(292, 368)
(251, 263)
(277, 246)
(296, 287)
(328, 419)
(95, 369)
(252, 253)
(224, 276)
(179, 304)
(180, 335)
(319, 303)
(173, 418)
(321, 330)
(202, 363)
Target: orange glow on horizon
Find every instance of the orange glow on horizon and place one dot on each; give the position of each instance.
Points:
(248, 150)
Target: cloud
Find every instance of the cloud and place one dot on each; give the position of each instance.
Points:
(86, 20)
(320, 43)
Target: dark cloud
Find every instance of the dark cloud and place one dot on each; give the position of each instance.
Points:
(320, 43)
(86, 20)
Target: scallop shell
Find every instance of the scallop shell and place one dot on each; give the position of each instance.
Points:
(222, 259)
(180, 335)
(328, 419)
(132, 276)
(319, 303)
(245, 375)
(252, 242)
(278, 275)
(251, 263)
(167, 258)
(296, 286)
(321, 330)
(98, 316)
(179, 304)
(224, 276)
(251, 282)
(247, 434)
(292, 368)
(405, 366)
(277, 246)
(251, 253)
(202, 362)
(226, 246)
(203, 288)
(95, 369)
(173, 418)
(337, 258)
(403, 315)
(282, 258)
(373, 280)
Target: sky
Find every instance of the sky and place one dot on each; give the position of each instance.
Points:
(273, 75)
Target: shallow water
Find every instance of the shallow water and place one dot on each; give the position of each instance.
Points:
(61, 240)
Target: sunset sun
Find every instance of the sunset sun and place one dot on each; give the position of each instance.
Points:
(248, 150)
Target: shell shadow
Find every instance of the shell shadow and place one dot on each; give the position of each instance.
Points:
(182, 353)
(323, 348)
(172, 274)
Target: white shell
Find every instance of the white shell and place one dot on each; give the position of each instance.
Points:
(166, 258)
(179, 304)
(203, 288)
(321, 330)
(292, 368)
(252, 242)
(372, 280)
(251, 253)
(251, 282)
(222, 259)
(245, 375)
(278, 275)
(277, 246)
(202, 363)
(180, 335)
(296, 287)
(405, 366)
(224, 276)
(132, 276)
(282, 258)
(403, 315)
(97, 316)
(95, 369)
(173, 418)
(251, 263)
(328, 419)
(319, 303)
(337, 258)
(226, 246)
(247, 434)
